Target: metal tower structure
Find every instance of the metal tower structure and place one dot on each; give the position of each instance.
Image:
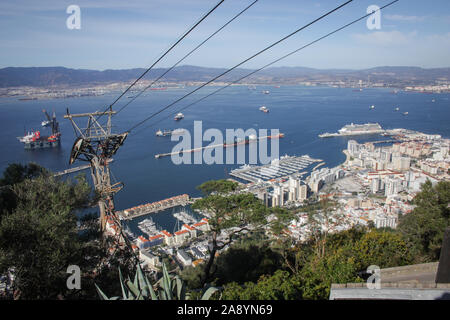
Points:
(96, 144)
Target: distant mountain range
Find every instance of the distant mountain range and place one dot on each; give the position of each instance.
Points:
(60, 76)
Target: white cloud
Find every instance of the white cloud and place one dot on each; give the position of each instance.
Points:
(385, 38)
(439, 38)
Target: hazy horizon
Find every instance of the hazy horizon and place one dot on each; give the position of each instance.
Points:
(219, 67)
(117, 35)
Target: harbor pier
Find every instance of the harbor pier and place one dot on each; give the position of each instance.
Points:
(154, 207)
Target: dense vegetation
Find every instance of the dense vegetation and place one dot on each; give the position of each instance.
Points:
(39, 239)
(307, 270)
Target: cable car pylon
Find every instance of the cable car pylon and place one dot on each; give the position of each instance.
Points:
(97, 144)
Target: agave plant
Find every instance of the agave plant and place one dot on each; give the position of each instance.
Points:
(167, 288)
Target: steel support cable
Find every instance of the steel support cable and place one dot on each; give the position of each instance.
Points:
(275, 61)
(267, 65)
(187, 55)
(239, 64)
(161, 57)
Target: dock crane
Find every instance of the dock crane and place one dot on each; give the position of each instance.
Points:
(47, 122)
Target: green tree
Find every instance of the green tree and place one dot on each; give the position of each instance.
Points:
(16, 173)
(279, 286)
(235, 213)
(39, 239)
(259, 259)
(381, 248)
(13, 174)
(320, 272)
(217, 186)
(238, 211)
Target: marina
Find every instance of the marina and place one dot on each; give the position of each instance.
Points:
(184, 217)
(285, 166)
(169, 221)
(148, 226)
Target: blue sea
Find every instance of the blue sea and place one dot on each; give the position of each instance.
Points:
(300, 112)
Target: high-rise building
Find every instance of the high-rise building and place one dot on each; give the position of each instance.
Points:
(294, 188)
(303, 192)
(401, 163)
(392, 186)
(375, 185)
(278, 196)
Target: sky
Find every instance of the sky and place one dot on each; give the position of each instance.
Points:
(118, 34)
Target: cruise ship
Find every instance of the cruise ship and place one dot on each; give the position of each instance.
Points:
(355, 129)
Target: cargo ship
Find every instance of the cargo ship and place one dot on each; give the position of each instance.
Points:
(34, 139)
(163, 133)
(235, 142)
(252, 137)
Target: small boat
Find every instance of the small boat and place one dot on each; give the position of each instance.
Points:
(405, 113)
(45, 123)
(266, 91)
(397, 109)
(264, 109)
(179, 116)
(372, 107)
(434, 100)
(162, 133)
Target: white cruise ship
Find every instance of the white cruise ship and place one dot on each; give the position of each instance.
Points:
(355, 129)
(360, 128)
